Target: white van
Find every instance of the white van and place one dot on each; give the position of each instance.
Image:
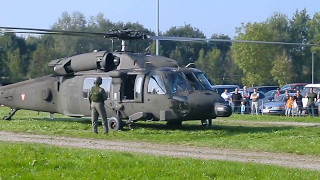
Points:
(306, 89)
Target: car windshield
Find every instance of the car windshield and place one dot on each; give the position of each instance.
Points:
(307, 90)
(177, 82)
(280, 98)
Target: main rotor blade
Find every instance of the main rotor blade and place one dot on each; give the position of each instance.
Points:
(185, 39)
(134, 35)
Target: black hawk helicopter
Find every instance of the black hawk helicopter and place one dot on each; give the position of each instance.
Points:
(138, 86)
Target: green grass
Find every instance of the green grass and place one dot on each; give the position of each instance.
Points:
(273, 118)
(31, 161)
(297, 140)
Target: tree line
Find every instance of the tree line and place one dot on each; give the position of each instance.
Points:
(25, 57)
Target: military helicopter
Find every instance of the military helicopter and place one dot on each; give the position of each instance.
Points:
(139, 86)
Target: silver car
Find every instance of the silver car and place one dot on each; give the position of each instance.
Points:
(277, 106)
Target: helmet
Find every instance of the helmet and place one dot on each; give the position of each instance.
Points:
(98, 81)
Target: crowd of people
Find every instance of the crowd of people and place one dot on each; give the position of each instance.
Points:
(241, 101)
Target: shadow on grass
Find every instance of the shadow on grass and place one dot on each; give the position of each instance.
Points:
(228, 129)
(78, 120)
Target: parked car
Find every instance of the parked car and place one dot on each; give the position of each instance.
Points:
(293, 86)
(270, 94)
(263, 89)
(277, 106)
(306, 89)
(220, 88)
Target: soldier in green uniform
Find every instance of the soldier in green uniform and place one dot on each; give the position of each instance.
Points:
(97, 96)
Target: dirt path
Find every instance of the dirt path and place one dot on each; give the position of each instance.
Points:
(280, 159)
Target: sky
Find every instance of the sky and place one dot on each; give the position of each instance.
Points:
(209, 16)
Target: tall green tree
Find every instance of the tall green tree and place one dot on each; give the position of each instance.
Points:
(282, 70)
(300, 56)
(189, 50)
(255, 60)
(15, 66)
(210, 64)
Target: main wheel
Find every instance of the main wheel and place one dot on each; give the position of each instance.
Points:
(115, 124)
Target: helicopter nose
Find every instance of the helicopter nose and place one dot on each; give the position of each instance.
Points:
(222, 110)
(201, 105)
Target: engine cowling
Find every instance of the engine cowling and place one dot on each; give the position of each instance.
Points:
(84, 62)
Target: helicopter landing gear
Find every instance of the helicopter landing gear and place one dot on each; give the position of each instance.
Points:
(115, 124)
(12, 112)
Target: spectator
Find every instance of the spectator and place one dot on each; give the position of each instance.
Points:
(298, 99)
(311, 96)
(318, 103)
(226, 96)
(236, 101)
(277, 94)
(254, 97)
(243, 108)
(245, 97)
(289, 104)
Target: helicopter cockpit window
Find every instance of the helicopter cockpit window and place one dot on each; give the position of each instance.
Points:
(178, 82)
(204, 81)
(89, 82)
(194, 82)
(156, 85)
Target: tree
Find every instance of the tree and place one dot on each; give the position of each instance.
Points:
(189, 50)
(282, 70)
(300, 56)
(255, 60)
(14, 65)
(210, 64)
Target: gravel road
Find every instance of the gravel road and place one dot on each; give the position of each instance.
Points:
(280, 159)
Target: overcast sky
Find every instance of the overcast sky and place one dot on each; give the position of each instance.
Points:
(209, 16)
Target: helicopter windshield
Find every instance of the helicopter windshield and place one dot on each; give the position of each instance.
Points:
(204, 81)
(156, 85)
(178, 82)
(198, 81)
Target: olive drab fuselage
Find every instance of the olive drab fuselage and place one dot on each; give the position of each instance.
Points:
(138, 87)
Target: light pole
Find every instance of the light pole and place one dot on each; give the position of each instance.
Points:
(157, 29)
(312, 68)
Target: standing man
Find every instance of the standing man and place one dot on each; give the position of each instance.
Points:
(226, 96)
(298, 99)
(311, 96)
(97, 96)
(245, 96)
(254, 97)
(236, 101)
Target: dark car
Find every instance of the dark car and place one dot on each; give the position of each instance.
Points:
(220, 88)
(294, 86)
(263, 89)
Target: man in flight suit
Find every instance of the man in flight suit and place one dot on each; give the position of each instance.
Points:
(97, 96)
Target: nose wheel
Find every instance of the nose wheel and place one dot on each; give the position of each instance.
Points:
(115, 124)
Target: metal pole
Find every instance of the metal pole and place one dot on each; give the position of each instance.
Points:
(312, 68)
(157, 29)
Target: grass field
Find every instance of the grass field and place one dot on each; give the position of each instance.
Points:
(297, 140)
(30, 161)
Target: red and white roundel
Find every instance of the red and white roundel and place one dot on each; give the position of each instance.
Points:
(23, 96)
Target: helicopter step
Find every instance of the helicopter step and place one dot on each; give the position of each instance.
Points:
(12, 112)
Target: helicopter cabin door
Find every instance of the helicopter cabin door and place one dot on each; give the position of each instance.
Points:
(131, 93)
(88, 82)
(132, 88)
